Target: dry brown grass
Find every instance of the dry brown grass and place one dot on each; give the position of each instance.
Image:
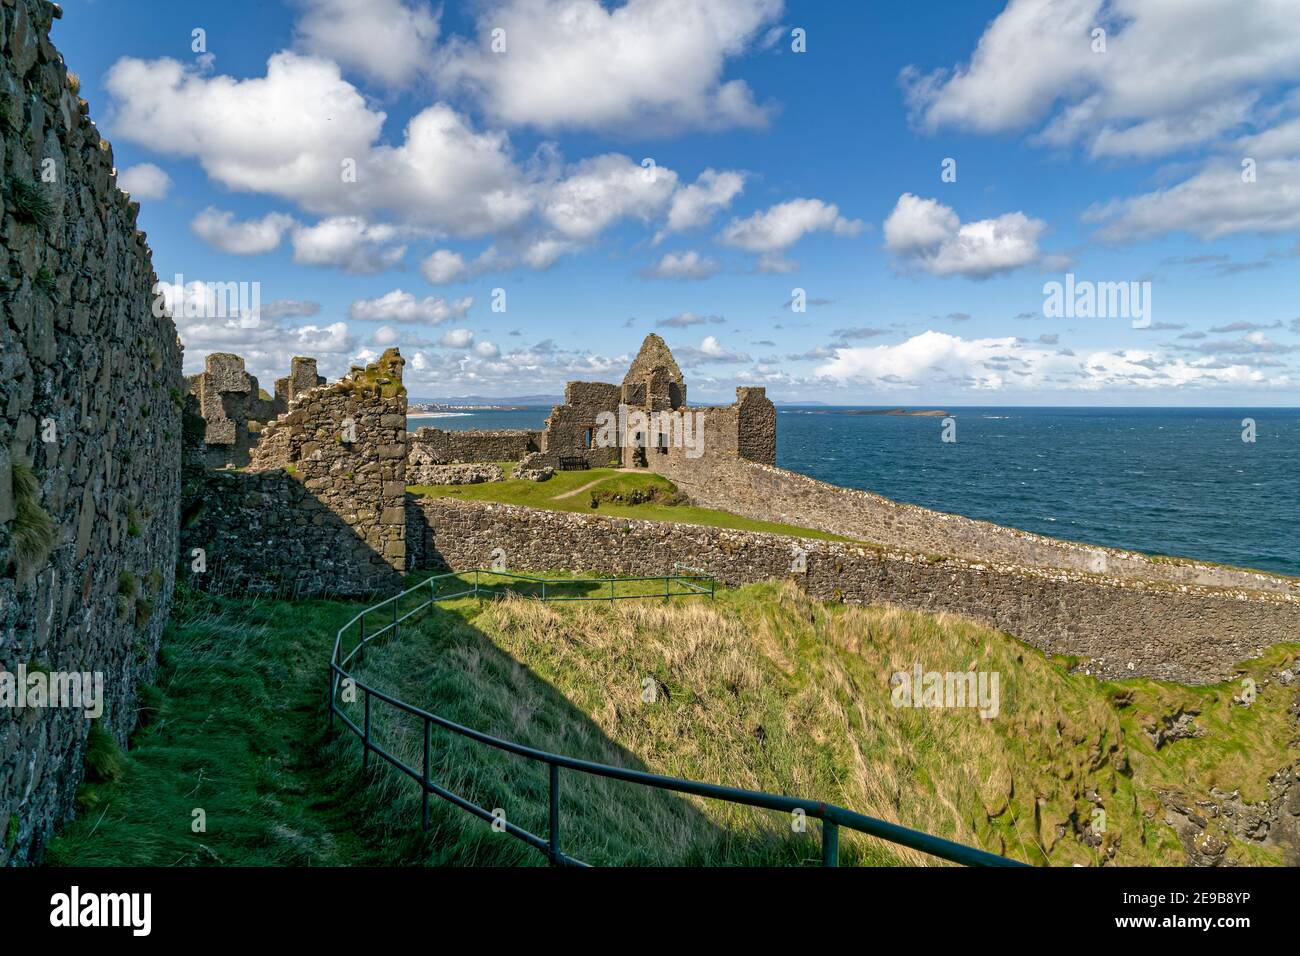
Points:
(768, 689)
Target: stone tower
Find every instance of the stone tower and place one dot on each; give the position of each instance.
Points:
(654, 383)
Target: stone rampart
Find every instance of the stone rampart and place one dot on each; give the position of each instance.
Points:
(1123, 628)
(321, 507)
(90, 433)
(436, 446)
(767, 493)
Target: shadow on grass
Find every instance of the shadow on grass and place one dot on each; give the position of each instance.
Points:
(236, 728)
(444, 664)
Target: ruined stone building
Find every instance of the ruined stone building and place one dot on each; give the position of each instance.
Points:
(234, 408)
(643, 423)
(118, 476)
(652, 426)
(320, 505)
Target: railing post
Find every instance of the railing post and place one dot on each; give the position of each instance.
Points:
(424, 809)
(666, 586)
(611, 590)
(543, 589)
(396, 601)
(365, 753)
(555, 815)
(830, 843)
(361, 645)
(476, 584)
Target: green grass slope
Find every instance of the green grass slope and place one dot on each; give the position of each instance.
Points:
(762, 688)
(613, 493)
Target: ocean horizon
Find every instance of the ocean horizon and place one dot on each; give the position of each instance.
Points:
(1175, 481)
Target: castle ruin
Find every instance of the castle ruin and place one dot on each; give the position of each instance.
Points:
(117, 474)
(642, 423)
(234, 408)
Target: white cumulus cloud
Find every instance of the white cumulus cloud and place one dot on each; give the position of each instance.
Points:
(250, 237)
(444, 267)
(387, 40)
(456, 339)
(348, 243)
(1172, 73)
(399, 306)
(694, 205)
(934, 361)
(144, 181)
(925, 234)
(684, 265)
(649, 65)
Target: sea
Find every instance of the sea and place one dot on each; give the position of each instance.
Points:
(1175, 481)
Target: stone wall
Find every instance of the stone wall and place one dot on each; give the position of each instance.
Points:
(1186, 633)
(321, 507)
(235, 408)
(90, 430)
(755, 426)
(579, 429)
(571, 428)
(768, 493)
(434, 446)
(302, 377)
(232, 405)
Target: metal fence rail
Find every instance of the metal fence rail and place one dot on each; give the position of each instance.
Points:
(689, 583)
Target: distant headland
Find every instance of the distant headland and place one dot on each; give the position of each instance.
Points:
(924, 412)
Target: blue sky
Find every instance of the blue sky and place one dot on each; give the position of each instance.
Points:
(522, 170)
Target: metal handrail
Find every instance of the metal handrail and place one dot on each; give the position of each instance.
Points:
(833, 817)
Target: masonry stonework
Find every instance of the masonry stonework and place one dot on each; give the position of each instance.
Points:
(1129, 613)
(90, 431)
(436, 446)
(235, 408)
(655, 428)
(321, 507)
(764, 492)
(1124, 628)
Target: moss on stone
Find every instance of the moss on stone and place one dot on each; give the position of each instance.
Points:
(33, 529)
(29, 203)
(43, 282)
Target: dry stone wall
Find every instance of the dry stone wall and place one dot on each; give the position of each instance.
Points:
(90, 430)
(434, 446)
(321, 507)
(769, 493)
(1125, 628)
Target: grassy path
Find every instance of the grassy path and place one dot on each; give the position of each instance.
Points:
(234, 731)
(579, 490)
(762, 688)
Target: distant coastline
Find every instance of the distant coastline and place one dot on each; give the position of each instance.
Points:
(922, 412)
(433, 410)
